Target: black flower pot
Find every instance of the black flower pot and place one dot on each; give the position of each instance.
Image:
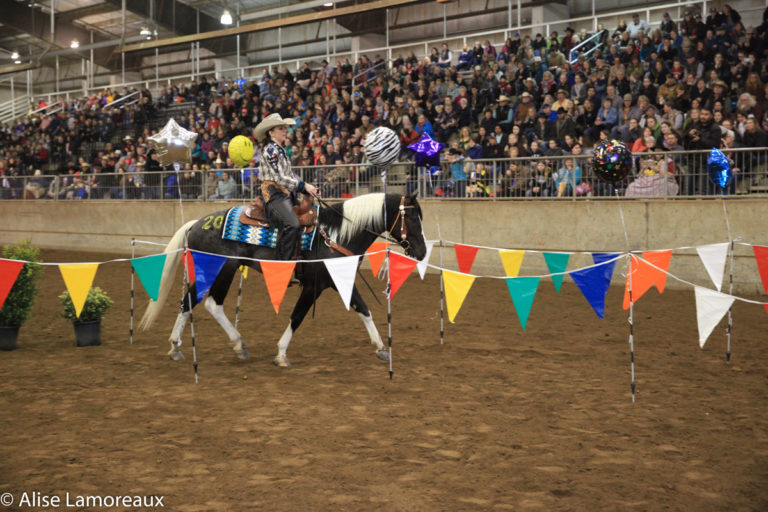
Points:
(8, 337)
(87, 334)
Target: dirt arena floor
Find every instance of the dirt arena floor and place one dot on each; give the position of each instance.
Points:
(494, 419)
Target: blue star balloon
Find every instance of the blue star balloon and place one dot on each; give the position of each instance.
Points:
(427, 151)
(719, 168)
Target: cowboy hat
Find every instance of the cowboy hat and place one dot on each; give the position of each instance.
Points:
(269, 122)
(503, 98)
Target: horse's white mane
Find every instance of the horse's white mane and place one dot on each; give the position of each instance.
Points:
(361, 212)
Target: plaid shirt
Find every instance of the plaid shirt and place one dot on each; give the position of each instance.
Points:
(275, 166)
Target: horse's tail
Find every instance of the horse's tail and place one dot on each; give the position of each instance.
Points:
(166, 280)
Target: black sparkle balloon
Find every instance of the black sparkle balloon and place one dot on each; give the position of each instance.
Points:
(612, 161)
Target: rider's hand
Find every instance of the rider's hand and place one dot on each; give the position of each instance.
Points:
(311, 190)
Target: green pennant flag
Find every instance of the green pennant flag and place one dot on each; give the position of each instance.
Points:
(522, 290)
(556, 262)
(150, 271)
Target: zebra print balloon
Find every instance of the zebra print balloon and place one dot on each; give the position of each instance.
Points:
(382, 146)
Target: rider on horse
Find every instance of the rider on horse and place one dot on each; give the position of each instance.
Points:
(280, 184)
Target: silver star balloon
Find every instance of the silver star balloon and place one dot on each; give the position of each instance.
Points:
(173, 143)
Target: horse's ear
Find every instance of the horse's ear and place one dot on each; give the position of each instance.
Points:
(412, 196)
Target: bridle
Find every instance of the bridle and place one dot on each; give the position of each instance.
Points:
(401, 216)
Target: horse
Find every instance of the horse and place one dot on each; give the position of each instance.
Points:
(353, 224)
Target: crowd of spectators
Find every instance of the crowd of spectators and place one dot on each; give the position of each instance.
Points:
(692, 84)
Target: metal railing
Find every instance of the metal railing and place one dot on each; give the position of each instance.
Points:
(592, 44)
(659, 175)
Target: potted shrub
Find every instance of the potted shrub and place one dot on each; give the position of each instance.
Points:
(88, 324)
(21, 298)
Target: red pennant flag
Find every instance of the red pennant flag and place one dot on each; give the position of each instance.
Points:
(9, 271)
(465, 256)
(277, 275)
(400, 267)
(189, 265)
(376, 259)
(761, 256)
(644, 276)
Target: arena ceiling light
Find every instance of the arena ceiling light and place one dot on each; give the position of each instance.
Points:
(74, 44)
(226, 17)
(328, 4)
(15, 56)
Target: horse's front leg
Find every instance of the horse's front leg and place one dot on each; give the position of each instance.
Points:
(300, 310)
(359, 305)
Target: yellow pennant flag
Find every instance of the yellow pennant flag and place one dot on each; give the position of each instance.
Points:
(456, 288)
(511, 261)
(78, 277)
(244, 271)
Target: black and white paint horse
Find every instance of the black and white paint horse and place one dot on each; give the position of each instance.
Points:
(353, 224)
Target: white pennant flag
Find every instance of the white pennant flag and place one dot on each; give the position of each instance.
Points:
(713, 256)
(342, 272)
(422, 266)
(711, 306)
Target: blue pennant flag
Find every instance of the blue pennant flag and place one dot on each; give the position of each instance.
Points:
(522, 290)
(207, 267)
(594, 281)
(557, 262)
(150, 272)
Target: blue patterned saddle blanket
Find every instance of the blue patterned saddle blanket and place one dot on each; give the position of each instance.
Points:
(254, 235)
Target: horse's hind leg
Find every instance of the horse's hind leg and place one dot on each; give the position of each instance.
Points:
(214, 305)
(181, 322)
(300, 310)
(361, 308)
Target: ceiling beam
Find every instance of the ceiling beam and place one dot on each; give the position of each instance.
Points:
(82, 12)
(255, 27)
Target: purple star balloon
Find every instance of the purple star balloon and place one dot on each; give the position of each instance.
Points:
(427, 151)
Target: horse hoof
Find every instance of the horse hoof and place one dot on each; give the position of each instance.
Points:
(176, 355)
(282, 362)
(242, 354)
(383, 354)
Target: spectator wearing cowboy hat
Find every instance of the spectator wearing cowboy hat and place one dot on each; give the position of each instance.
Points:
(279, 183)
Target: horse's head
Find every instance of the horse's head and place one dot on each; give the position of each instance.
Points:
(407, 228)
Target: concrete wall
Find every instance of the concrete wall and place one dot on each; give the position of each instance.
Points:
(541, 226)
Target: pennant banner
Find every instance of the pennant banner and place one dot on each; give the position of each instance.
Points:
(400, 267)
(512, 260)
(343, 272)
(207, 267)
(244, 271)
(150, 272)
(277, 275)
(422, 265)
(761, 256)
(644, 274)
(376, 259)
(456, 288)
(9, 271)
(78, 277)
(465, 256)
(594, 282)
(711, 306)
(189, 265)
(713, 257)
(557, 262)
(522, 290)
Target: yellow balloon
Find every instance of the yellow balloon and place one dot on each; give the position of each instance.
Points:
(241, 150)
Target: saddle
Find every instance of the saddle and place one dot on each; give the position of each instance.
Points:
(255, 214)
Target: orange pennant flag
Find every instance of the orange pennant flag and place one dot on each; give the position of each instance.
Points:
(465, 256)
(376, 259)
(400, 267)
(761, 256)
(277, 275)
(644, 276)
